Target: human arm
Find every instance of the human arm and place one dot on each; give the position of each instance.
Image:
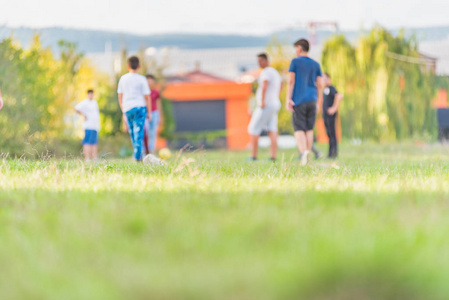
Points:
(81, 113)
(148, 101)
(1, 101)
(79, 109)
(334, 108)
(264, 93)
(124, 120)
(290, 86)
(320, 88)
(145, 88)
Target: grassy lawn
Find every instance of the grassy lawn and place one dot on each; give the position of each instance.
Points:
(211, 226)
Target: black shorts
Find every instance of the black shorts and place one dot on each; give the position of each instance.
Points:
(304, 116)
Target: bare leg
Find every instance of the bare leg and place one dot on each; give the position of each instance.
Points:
(86, 152)
(274, 143)
(91, 156)
(309, 137)
(94, 152)
(301, 140)
(254, 145)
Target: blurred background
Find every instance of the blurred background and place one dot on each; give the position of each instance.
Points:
(390, 59)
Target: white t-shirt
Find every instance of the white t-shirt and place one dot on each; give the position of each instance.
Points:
(90, 109)
(273, 90)
(134, 87)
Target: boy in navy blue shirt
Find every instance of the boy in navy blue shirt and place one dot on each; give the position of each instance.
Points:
(304, 91)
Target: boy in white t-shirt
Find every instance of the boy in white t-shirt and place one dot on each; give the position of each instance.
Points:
(265, 117)
(135, 102)
(89, 110)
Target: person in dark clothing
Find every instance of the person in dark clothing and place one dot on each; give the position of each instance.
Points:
(331, 102)
(304, 92)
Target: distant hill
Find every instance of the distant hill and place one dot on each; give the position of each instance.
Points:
(95, 41)
(91, 41)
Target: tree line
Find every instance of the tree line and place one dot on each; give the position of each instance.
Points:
(385, 98)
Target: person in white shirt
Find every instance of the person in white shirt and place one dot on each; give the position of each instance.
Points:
(135, 102)
(265, 117)
(89, 110)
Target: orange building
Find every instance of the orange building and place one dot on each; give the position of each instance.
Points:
(440, 100)
(203, 102)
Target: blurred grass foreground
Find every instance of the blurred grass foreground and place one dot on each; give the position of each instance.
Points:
(208, 226)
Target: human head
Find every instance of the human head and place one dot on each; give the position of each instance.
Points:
(90, 94)
(133, 63)
(263, 60)
(327, 79)
(151, 80)
(302, 47)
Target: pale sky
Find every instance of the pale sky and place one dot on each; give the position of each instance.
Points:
(220, 16)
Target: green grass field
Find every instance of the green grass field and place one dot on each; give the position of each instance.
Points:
(211, 226)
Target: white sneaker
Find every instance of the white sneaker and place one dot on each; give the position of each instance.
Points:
(305, 158)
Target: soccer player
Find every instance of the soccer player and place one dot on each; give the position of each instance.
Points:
(305, 88)
(265, 117)
(151, 127)
(331, 102)
(88, 108)
(135, 102)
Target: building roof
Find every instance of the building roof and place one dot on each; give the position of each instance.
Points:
(196, 76)
(438, 50)
(427, 57)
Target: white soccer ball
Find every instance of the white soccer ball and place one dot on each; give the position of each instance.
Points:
(150, 159)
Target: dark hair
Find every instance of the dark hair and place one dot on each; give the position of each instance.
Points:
(133, 62)
(304, 44)
(90, 91)
(151, 76)
(263, 55)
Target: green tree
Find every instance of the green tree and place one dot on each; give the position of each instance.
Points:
(376, 104)
(39, 91)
